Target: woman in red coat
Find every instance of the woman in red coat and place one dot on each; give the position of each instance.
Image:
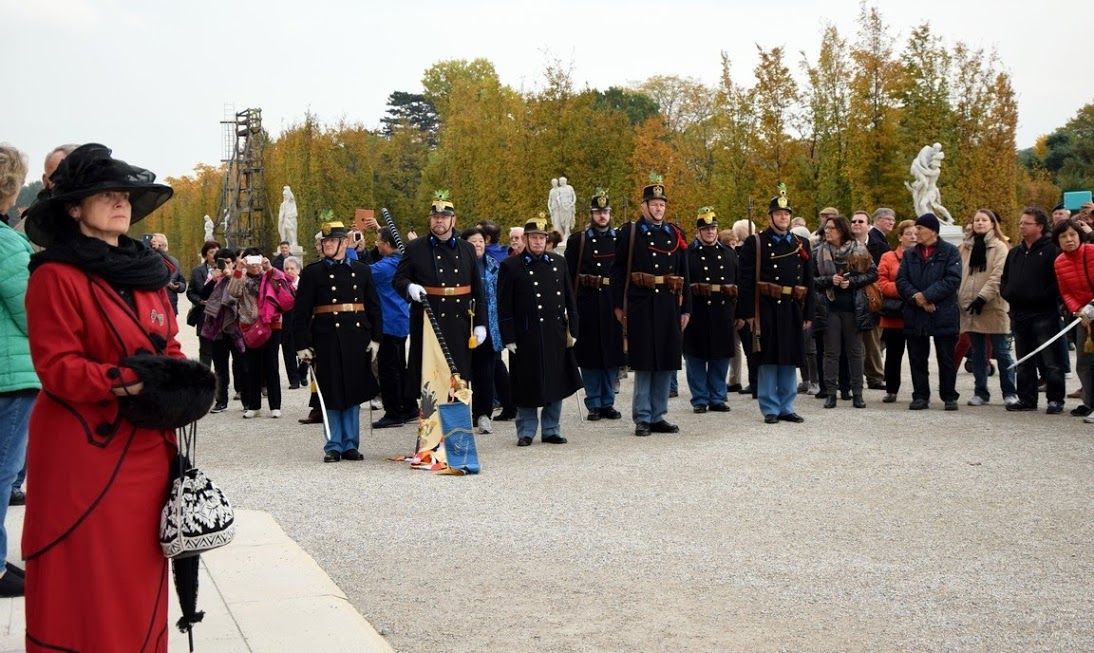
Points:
(1075, 276)
(96, 578)
(892, 327)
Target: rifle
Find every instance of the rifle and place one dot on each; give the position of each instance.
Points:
(756, 290)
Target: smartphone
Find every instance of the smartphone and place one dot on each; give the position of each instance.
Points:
(358, 236)
(252, 260)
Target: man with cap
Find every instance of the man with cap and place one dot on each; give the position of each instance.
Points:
(589, 255)
(338, 325)
(442, 269)
(776, 299)
(928, 280)
(537, 316)
(708, 341)
(651, 296)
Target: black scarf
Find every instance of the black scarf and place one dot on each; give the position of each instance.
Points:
(129, 265)
(978, 259)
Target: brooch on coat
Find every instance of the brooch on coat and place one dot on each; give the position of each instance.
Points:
(157, 317)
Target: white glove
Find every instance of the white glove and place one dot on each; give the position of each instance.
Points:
(573, 341)
(1088, 311)
(480, 334)
(512, 347)
(306, 354)
(416, 292)
(373, 347)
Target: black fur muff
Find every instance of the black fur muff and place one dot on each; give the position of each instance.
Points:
(176, 392)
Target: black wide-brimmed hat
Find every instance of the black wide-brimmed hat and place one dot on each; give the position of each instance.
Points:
(600, 201)
(88, 170)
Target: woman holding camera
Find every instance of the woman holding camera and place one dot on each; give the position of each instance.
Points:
(262, 295)
(842, 267)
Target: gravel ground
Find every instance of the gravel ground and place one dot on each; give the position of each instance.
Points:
(859, 530)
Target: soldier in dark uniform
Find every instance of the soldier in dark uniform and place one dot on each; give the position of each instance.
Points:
(651, 297)
(589, 255)
(782, 288)
(442, 268)
(536, 308)
(338, 325)
(708, 341)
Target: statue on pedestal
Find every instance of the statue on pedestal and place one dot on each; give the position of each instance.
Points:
(552, 201)
(286, 218)
(926, 167)
(209, 227)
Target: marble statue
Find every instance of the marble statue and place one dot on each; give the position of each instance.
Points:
(552, 201)
(925, 169)
(286, 218)
(209, 227)
(566, 202)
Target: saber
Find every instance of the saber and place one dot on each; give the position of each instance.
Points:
(1045, 344)
(322, 402)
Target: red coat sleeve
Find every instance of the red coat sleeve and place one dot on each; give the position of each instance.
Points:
(59, 311)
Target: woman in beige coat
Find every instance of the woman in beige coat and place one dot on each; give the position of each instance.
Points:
(983, 309)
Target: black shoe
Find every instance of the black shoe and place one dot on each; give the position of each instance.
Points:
(771, 419)
(314, 417)
(736, 387)
(822, 395)
(294, 386)
(718, 408)
(11, 585)
(674, 394)
(858, 402)
(409, 416)
(505, 416)
(1080, 411)
(219, 408)
(791, 417)
(664, 427)
(387, 422)
(642, 429)
(332, 457)
(889, 398)
(951, 405)
(1054, 408)
(610, 413)
(747, 390)
(12, 569)
(18, 498)
(830, 402)
(845, 395)
(919, 404)
(553, 439)
(699, 409)
(1023, 407)
(594, 415)
(352, 454)
(524, 442)
(875, 386)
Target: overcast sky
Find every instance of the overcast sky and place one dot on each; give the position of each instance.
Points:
(152, 79)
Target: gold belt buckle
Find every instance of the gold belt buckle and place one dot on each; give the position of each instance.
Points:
(448, 292)
(659, 279)
(715, 288)
(787, 290)
(604, 281)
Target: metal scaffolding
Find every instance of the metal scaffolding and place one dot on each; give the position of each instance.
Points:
(242, 210)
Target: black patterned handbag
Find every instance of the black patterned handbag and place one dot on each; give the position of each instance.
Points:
(197, 516)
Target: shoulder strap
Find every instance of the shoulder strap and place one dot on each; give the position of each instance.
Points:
(756, 301)
(627, 280)
(580, 258)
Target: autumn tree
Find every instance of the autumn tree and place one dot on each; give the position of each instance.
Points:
(826, 100)
(874, 167)
(774, 99)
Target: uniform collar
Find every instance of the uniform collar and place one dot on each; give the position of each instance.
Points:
(331, 262)
(646, 225)
(545, 257)
(593, 233)
(451, 242)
